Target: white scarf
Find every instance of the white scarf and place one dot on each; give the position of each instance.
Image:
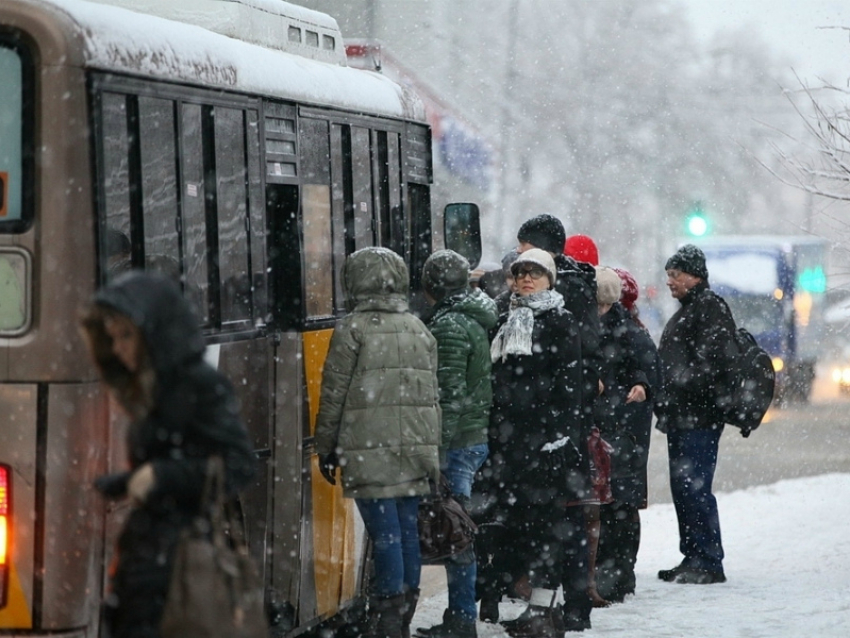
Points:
(514, 337)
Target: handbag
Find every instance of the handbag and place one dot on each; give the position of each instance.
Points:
(600, 466)
(445, 527)
(214, 590)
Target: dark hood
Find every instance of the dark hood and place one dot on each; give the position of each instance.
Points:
(156, 305)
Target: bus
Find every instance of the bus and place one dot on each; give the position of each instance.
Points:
(227, 144)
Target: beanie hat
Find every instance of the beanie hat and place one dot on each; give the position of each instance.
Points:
(508, 260)
(541, 258)
(630, 291)
(545, 232)
(689, 259)
(445, 272)
(582, 248)
(607, 285)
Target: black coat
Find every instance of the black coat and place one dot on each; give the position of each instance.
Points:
(537, 400)
(629, 358)
(695, 352)
(577, 284)
(195, 414)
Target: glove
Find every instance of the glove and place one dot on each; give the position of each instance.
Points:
(327, 466)
(112, 486)
(141, 483)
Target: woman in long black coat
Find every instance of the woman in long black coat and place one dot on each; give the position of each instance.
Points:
(148, 347)
(536, 443)
(631, 375)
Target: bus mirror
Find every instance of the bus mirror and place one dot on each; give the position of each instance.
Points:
(462, 231)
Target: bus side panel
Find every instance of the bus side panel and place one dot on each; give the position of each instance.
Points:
(246, 364)
(18, 405)
(334, 517)
(73, 536)
(288, 476)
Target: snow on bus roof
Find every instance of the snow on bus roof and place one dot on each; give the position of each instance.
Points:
(119, 40)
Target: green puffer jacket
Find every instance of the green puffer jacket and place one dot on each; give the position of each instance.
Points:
(460, 324)
(379, 405)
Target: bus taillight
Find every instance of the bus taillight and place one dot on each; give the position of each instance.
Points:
(5, 497)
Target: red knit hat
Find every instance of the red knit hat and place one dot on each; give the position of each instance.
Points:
(582, 248)
(629, 292)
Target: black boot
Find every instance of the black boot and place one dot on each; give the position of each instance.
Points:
(488, 610)
(385, 617)
(538, 622)
(453, 626)
(411, 599)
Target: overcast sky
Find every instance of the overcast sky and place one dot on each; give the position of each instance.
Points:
(791, 26)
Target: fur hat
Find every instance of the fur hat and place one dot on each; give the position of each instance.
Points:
(607, 285)
(630, 290)
(445, 272)
(689, 259)
(541, 258)
(582, 248)
(545, 232)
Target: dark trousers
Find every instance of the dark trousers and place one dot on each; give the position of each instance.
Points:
(575, 576)
(693, 459)
(619, 540)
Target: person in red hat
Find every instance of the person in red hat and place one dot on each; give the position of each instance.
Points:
(582, 248)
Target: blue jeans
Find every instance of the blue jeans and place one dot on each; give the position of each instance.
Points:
(461, 466)
(393, 529)
(693, 459)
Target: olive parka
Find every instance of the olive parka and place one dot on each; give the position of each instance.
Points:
(460, 324)
(379, 408)
(696, 354)
(194, 414)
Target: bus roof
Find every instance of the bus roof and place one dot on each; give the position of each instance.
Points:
(119, 40)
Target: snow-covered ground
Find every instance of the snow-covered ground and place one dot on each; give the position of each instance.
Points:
(787, 563)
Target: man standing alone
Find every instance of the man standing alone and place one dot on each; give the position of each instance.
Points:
(694, 354)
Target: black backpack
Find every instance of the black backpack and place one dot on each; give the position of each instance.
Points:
(750, 383)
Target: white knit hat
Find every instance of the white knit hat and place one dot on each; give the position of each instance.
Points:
(608, 285)
(541, 258)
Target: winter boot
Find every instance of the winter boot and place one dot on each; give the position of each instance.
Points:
(385, 617)
(453, 626)
(538, 622)
(411, 598)
(488, 609)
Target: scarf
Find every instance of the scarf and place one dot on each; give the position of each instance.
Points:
(514, 337)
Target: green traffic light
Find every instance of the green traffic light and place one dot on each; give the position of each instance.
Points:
(697, 225)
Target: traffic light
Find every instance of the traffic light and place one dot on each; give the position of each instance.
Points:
(696, 222)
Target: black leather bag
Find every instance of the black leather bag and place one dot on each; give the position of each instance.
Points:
(445, 528)
(214, 591)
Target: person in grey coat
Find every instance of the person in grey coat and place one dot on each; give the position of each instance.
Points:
(379, 421)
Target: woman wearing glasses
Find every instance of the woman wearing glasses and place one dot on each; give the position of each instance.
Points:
(535, 431)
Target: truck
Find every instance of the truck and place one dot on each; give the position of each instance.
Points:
(776, 288)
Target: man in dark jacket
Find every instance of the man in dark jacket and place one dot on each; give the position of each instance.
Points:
(460, 322)
(694, 354)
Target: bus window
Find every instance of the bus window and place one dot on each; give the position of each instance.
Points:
(15, 140)
(361, 179)
(232, 198)
(194, 226)
(159, 186)
(316, 207)
(116, 182)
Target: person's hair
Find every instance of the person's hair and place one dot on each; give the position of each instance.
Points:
(134, 390)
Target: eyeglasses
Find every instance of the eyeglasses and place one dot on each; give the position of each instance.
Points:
(535, 272)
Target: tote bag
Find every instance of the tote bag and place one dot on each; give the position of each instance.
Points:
(214, 591)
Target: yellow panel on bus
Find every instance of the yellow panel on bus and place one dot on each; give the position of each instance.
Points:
(333, 516)
(16, 614)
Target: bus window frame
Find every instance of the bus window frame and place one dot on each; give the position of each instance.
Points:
(134, 88)
(19, 42)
